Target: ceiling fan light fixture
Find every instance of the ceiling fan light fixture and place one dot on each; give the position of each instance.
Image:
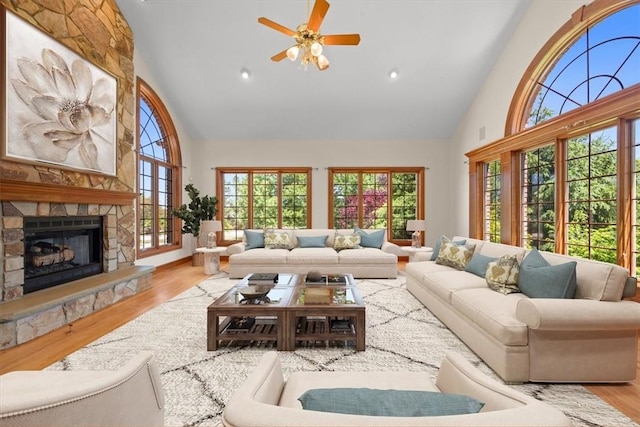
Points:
(323, 62)
(309, 41)
(292, 52)
(316, 49)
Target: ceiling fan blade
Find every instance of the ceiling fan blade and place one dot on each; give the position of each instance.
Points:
(276, 26)
(318, 13)
(350, 39)
(279, 56)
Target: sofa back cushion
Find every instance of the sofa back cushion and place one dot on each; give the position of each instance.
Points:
(594, 279)
(498, 249)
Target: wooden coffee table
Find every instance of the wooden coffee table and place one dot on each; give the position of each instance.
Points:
(267, 321)
(341, 320)
(286, 319)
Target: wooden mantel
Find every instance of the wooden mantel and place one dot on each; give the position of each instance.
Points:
(20, 191)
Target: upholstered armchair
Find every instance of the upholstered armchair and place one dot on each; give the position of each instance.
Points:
(130, 396)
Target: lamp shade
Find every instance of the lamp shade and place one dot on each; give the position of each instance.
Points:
(207, 227)
(416, 225)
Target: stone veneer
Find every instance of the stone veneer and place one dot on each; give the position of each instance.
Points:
(97, 31)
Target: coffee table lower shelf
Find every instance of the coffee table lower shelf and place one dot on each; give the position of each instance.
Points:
(263, 330)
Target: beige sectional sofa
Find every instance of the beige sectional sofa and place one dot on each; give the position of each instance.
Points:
(266, 399)
(589, 338)
(363, 262)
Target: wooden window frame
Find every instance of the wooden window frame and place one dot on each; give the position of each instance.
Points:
(260, 170)
(389, 171)
(618, 109)
(174, 162)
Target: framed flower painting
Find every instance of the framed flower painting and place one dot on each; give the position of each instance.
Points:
(58, 108)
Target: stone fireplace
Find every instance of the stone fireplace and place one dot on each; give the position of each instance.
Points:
(58, 250)
(37, 192)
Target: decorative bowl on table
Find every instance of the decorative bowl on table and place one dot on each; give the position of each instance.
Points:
(252, 292)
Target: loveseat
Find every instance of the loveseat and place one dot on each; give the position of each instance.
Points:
(266, 399)
(590, 335)
(363, 253)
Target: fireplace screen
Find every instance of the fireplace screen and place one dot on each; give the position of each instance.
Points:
(61, 249)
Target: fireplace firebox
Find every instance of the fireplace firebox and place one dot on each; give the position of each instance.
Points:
(61, 249)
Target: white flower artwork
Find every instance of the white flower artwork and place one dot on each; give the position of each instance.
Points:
(59, 108)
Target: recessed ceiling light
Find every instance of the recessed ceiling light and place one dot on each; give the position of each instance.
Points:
(393, 74)
(245, 74)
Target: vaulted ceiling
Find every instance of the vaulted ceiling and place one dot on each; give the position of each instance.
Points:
(442, 50)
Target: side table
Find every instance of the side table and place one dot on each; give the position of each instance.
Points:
(211, 258)
(411, 251)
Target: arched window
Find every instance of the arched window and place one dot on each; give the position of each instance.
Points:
(159, 165)
(596, 54)
(569, 158)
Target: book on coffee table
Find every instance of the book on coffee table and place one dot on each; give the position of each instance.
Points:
(328, 279)
(340, 325)
(263, 279)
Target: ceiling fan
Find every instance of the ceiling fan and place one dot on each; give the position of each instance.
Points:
(308, 38)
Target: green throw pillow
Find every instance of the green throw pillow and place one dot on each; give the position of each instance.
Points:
(456, 256)
(312, 241)
(539, 279)
(388, 403)
(373, 239)
(502, 274)
(276, 240)
(478, 264)
(346, 241)
(254, 239)
(436, 249)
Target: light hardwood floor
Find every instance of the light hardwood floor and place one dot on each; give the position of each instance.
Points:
(173, 279)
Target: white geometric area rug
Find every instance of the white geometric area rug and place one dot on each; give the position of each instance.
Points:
(401, 335)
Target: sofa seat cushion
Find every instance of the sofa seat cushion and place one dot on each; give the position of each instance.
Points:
(260, 256)
(445, 283)
(299, 382)
(366, 256)
(422, 268)
(493, 312)
(311, 256)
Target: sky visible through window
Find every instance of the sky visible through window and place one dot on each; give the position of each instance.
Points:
(604, 60)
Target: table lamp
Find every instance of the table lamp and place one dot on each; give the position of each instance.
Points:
(416, 225)
(209, 229)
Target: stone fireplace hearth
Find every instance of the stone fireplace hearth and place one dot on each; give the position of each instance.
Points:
(24, 316)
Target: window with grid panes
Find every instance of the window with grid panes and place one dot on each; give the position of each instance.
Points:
(368, 198)
(158, 169)
(264, 198)
(591, 201)
(538, 198)
(492, 201)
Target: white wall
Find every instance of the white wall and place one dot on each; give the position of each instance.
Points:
(142, 71)
(489, 109)
(324, 154)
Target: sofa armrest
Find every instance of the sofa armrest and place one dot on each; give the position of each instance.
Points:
(578, 314)
(390, 248)
(236, 248)
(423, 256)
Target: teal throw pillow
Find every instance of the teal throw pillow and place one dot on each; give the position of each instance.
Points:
(312, 241)
(436, 250)
(539, 279)
(254, 239)
(388, 403)
(478, 264)
(373, 239)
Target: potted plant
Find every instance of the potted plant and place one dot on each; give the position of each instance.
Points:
(198, 210)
